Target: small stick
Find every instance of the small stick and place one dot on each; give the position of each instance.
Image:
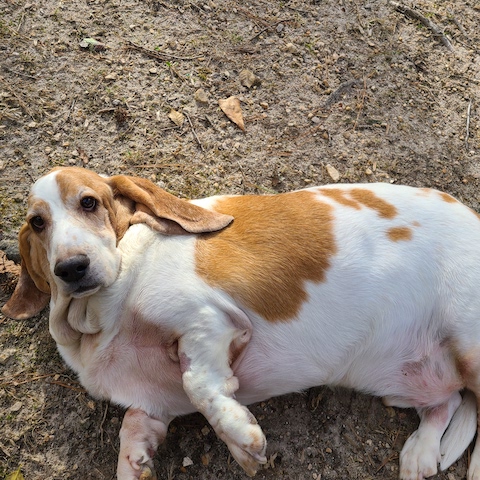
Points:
(335, 96)
(435, 29)
(158, 55)
(467, 133)
(268, 28)
(362, 103)
(194, 133)
(457, 23)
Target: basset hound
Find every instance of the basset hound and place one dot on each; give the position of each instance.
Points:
(167, 306)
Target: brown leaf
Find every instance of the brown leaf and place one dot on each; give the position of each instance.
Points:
(248, 78)
(176, 117)
(231, 108)
(8, 266)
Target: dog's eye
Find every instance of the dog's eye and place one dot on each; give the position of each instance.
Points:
(37, 223)
(88, 203)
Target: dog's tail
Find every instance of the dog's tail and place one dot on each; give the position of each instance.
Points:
(460, 432)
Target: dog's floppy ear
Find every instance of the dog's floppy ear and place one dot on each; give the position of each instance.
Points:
(32, 293)
(164, 212)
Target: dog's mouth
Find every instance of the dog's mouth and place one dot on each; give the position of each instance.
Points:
(85, 290)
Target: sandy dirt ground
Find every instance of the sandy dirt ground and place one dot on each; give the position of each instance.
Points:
(330, 90)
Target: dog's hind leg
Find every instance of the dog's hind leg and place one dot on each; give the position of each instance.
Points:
(420, 455)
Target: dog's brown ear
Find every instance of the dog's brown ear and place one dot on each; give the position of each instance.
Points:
(32, 293)
(164, 212)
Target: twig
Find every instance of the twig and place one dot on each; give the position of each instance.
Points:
(23, 105)
(194, 133)
(33, 379)
(102, 422)
(158, 55)
(457, 23)
(335, 96)
(467, 132)
(75, 389)
(435, 29)
(362, 104)
(269, 27)
(19, 73)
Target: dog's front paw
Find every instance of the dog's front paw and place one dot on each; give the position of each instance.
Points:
(243, 436)
(419, 457)
(135, 465)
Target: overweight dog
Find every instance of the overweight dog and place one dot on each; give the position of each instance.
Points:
(166, 306)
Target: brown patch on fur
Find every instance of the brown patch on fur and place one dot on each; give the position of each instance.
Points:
(369, 199)
(275, 244)
(397, 234)
(340, 196)
(356, 197)
(447, 198)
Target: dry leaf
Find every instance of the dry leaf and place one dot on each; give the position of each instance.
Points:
(231, 108)
(16, 475)
(248, 78)
(8, 266)
(176, 117)
(92, 44)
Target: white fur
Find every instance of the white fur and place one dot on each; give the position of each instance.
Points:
(379, 323)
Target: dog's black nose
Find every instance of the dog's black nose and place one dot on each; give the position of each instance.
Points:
(72, 269)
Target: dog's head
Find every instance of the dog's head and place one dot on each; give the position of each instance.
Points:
(75, 220)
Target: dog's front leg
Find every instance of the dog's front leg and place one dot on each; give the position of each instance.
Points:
(140, 437)
(210, 384)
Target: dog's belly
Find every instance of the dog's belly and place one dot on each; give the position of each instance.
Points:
(410, 370)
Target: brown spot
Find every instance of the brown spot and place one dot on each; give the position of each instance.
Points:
(447, 198)
(340, 196)
(275, 244)
(370, 200)
(356, 197)
(397, 234)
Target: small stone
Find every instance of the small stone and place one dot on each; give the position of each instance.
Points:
(248, 78)
(201, 96)
(16, 406)
(48, 150)
(187, 461)
(111, 76)
(290, 48)
(264, 105)
(153, 71)
(315, 120)
(368, 171)
(280, 27)
(333, 172)
(328, 450)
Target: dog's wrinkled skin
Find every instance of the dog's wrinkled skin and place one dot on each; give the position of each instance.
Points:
(167, 307)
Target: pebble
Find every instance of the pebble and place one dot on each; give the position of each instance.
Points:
(201, 96)
(16, 406)
(290, 48)
(187, 461)
(333, 172)
(315, 120)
